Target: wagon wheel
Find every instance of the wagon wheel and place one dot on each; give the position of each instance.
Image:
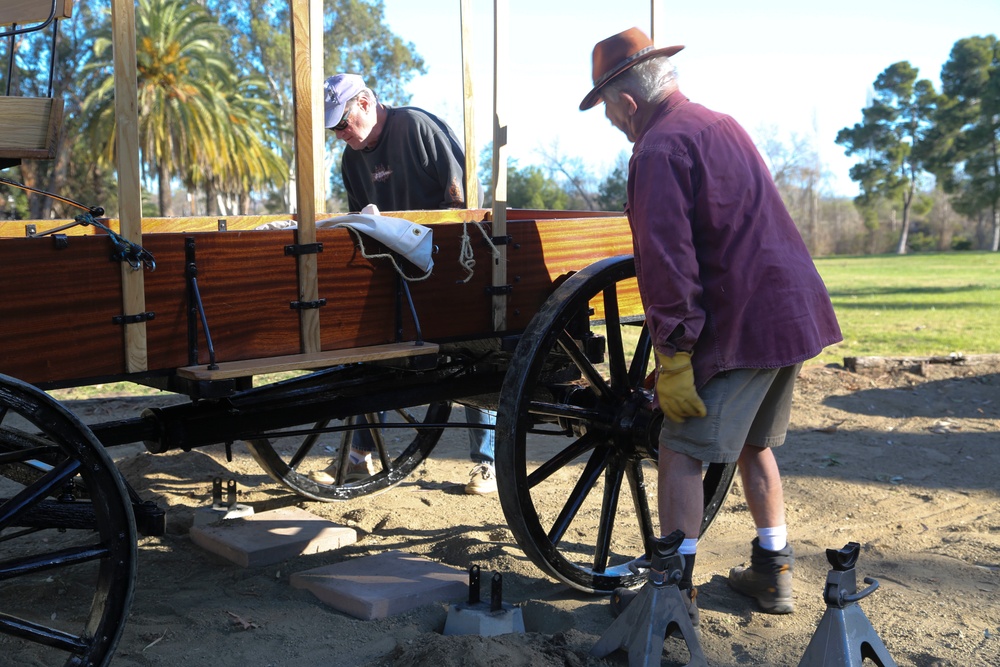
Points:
(68, 565)
(402, 442)
(573, 412)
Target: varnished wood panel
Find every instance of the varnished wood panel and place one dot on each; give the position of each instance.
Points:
(246, 283)
(55, 322)
(57, 308)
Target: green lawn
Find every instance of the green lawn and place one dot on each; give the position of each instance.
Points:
(914, 305)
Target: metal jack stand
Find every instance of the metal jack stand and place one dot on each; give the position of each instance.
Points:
(641, 629)
(845, 636)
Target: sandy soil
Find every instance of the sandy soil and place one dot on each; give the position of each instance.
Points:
(903, 463)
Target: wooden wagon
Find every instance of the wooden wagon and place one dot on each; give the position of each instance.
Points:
(547, 330)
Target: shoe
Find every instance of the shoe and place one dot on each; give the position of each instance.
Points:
(768, 579)
(622, 597)
(356, 472)
(482, 480)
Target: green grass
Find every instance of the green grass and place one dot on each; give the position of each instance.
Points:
(914, 305)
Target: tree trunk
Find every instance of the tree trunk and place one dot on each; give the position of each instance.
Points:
(905, 232)
(996, 230)
(163, 178)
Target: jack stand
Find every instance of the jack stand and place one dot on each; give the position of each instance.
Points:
(845, 636)
(642, 628)
(480, 618)
(220, 510)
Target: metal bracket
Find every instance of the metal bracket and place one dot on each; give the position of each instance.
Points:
(303, 249)
(133, 319)
(506, 239)
(302, 305)
(493, 290)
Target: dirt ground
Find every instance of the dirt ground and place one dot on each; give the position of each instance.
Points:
(904, 463)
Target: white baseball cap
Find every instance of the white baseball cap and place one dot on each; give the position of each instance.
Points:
(338, 90)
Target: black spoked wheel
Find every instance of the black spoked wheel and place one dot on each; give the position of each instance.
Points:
(573, 410)
(67, 536)
(314, 461)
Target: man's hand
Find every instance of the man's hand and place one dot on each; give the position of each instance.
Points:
(675, 387)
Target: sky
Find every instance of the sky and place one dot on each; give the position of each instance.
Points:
(795, 66)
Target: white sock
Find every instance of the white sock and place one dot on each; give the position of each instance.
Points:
(774, 538)
(688, 546)
(359, 456)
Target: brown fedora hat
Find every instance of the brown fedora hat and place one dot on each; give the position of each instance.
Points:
(616, 54)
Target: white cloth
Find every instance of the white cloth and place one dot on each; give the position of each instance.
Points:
(412, 241)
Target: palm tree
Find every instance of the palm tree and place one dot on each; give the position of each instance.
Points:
(189, 98)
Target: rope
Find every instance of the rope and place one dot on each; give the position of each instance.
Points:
(124, 250)
(466, 257)
(385, 255)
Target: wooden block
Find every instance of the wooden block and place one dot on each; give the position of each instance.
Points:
(383, 585)
(308, 361)
(29, 126)
(32, 11)
(271, 537)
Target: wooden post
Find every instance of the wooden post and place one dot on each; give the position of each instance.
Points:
(500, 44)
(129, 190)
(307, 66)
(471, 179)
(654, 22)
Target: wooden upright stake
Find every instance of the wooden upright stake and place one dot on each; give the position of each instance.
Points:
(307, 65)
(471, 180)
(129, 191)
(654, 21)
(499, 162)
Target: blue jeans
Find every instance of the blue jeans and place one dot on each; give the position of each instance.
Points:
(481, 440)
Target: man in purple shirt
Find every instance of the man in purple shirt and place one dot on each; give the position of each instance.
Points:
(733, 303)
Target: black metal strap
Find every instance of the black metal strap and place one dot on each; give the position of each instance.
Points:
(133, 319)
(303, 249)
(303, 305)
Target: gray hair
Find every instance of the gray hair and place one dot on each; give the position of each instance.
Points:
(649, 80)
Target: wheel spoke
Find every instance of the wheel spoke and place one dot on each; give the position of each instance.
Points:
(41, 634)
(584, 485)
(23, 501)
(592, 375)
(582, 415)
(583, 444)
(640, 502)
(17, 567)
(609, 507)
(613, 335)
(307, 444)
(640, 359)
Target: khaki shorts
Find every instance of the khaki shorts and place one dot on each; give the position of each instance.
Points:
(745, 406)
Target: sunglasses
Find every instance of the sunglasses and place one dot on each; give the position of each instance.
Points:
(342, 125)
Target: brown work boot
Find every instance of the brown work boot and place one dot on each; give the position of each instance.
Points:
(768, 579)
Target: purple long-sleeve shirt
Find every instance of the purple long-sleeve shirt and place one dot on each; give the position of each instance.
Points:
(722, 270)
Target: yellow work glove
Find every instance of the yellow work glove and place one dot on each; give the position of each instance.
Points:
(675, 387)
